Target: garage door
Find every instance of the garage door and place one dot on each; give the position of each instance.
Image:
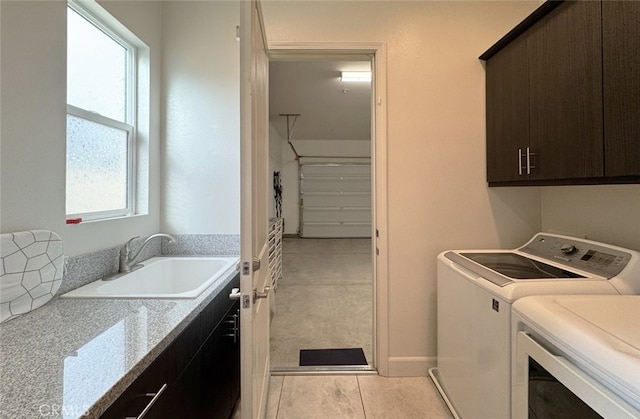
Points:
(335, 200)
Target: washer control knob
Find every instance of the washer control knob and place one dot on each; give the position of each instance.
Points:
(568, 249)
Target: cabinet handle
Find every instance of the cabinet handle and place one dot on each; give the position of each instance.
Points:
(236, 329)
(520, 161)
(233, 331)
(151, 403)
(529, 166)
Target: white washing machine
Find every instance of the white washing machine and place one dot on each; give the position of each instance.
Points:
(476, 289)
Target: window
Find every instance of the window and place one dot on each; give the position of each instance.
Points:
(101, 129)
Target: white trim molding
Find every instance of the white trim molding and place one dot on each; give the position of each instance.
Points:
(377, 52)
(411, 366)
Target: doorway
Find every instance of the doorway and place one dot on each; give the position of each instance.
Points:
(326, 297)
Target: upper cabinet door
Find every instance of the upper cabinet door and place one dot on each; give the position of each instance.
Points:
(507, 112)
(565, 79)
(621, 67)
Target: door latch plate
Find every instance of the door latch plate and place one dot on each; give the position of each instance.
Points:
(246, 268)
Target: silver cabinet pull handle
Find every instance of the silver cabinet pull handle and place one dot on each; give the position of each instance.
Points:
(529, 167)
(151, 403)
(520, 161)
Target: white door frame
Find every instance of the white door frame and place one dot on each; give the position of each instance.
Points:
(289, 50)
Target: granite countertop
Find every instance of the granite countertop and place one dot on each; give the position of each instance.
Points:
(73, 357)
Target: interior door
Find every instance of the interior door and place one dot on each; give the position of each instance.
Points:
(254, 271)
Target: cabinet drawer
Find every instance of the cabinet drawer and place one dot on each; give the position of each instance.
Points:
(140, 394)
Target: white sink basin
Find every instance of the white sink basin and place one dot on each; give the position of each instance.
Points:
(161, 277)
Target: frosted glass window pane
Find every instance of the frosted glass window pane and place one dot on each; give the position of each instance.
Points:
(96, 167)
(96, 69)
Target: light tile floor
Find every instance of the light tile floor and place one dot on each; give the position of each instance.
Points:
(324, 300)
(354, 396)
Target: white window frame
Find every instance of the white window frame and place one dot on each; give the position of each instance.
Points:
(96, 16)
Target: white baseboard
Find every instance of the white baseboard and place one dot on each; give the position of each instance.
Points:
(411, 366)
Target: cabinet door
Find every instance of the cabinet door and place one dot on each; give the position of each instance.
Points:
(219, 374)
(566, 93)
(621, 67)
(507, 112)
(210, 385)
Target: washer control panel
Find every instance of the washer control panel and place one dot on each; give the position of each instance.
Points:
(585, 255)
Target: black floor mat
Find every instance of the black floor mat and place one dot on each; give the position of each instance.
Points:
(329, 357)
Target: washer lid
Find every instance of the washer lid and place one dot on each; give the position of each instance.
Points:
(517, 266)
(504, 268)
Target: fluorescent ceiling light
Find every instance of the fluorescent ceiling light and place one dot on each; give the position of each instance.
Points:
(356, 76)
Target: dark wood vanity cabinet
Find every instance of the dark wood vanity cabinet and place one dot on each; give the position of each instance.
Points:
(547, 122)
(210, 385)
(197, 376)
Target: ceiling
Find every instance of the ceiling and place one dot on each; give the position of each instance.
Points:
(329, 108)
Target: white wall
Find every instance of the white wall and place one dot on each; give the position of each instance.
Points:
(606, 213)
(201, 83)
(437, 195)
(33, 114)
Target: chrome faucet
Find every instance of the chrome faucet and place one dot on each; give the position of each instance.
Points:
(128, 264)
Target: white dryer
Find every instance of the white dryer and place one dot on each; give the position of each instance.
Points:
(576, 356)
(476, 289)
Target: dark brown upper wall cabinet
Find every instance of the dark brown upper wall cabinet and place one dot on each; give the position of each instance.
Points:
(565, 91)
(621, 67)
(507, 112)
(562, 102)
